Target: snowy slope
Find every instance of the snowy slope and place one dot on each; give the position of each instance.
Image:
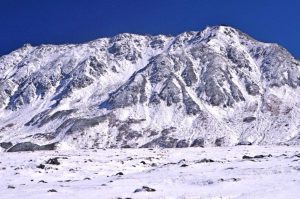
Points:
(214, 87)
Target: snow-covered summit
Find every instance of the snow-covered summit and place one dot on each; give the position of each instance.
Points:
(214, 87)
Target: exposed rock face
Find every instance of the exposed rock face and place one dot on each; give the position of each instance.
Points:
(220, 142)
(182, 144)
(211, 88)
(199, 142)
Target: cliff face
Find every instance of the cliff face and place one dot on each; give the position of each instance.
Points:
(214, 87)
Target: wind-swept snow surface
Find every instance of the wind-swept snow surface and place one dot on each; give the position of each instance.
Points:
(220, 172)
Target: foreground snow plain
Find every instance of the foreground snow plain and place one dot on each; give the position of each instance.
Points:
(223, 172)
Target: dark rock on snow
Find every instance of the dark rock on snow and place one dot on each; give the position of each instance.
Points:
(144, 189)
(6, 145)
(28, 146)
(53, 161)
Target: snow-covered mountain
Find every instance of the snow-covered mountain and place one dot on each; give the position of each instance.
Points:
(210, 88)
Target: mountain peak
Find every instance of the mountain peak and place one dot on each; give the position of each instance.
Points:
(219, 86)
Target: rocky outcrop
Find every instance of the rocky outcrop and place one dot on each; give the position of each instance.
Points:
(6, 145)
(28, 146)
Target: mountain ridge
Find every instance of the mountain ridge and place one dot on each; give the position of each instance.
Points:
(215, 87)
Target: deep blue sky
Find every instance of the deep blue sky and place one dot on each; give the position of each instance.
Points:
(76, 21)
